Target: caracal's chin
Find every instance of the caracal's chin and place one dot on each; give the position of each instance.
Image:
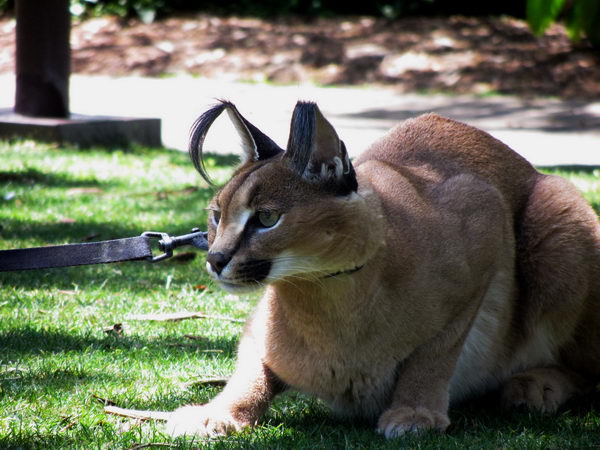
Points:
(236, 288)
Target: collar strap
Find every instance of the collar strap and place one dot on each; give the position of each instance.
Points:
(344, 272)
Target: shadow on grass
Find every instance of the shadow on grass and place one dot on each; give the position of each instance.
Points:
(33, 176)
(129, 279)
(304, 423)
(485, 415)
(26, 385)
(20, 342)
(477, 424)
(28, 440)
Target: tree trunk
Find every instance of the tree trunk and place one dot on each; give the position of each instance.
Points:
(43, 62)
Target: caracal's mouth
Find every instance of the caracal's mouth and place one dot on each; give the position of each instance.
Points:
(244, 277)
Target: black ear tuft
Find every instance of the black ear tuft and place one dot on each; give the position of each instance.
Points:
(197, 136)
(256, 145)
(302, 135)
(316, 153)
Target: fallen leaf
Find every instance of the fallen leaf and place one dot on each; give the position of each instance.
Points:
(200, 287)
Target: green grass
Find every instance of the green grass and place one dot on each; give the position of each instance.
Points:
(57, 360)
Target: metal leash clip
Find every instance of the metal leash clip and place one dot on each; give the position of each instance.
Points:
(168, 243)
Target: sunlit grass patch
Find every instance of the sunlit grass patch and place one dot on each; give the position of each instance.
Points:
(62, 356)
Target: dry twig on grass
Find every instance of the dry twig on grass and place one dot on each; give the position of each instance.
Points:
(69, 421)
(153, 444)
(173, 317)
(137, 414)
(217, 381)
(104, 401)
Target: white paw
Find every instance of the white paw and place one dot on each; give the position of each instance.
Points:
(396, 422)
(205, 420)
(392, 430)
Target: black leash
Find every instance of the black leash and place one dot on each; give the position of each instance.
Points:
(127, 249)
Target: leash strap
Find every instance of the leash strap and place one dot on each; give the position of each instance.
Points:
(127, 249)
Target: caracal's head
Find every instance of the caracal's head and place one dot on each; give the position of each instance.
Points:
(285, 216)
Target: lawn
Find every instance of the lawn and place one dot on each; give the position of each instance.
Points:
(69, 344)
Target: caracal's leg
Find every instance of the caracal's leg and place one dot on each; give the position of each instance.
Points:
(242, 402)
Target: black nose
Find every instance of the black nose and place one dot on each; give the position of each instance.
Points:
(218, 260)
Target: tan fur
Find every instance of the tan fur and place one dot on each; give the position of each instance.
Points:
(476, 270)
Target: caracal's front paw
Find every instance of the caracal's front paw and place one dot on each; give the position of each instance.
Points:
(398, 421)
(205, 420)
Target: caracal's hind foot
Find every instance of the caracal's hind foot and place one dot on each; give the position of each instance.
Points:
(202, 420)
(543, 390)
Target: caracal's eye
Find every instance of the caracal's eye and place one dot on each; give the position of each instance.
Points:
(216, 216)
(267, 219)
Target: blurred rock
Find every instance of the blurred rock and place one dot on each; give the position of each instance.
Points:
(286, 74)
(362, 69)
(321, 51)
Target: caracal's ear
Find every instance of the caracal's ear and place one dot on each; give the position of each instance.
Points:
(256, 145)
(316, 153)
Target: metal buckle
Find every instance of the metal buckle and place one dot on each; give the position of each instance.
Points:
(168, 243)
(165, 244)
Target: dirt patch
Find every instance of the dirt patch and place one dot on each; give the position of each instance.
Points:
(456, 54)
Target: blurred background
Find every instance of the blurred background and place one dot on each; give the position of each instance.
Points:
(526, 71)
(515, 66)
